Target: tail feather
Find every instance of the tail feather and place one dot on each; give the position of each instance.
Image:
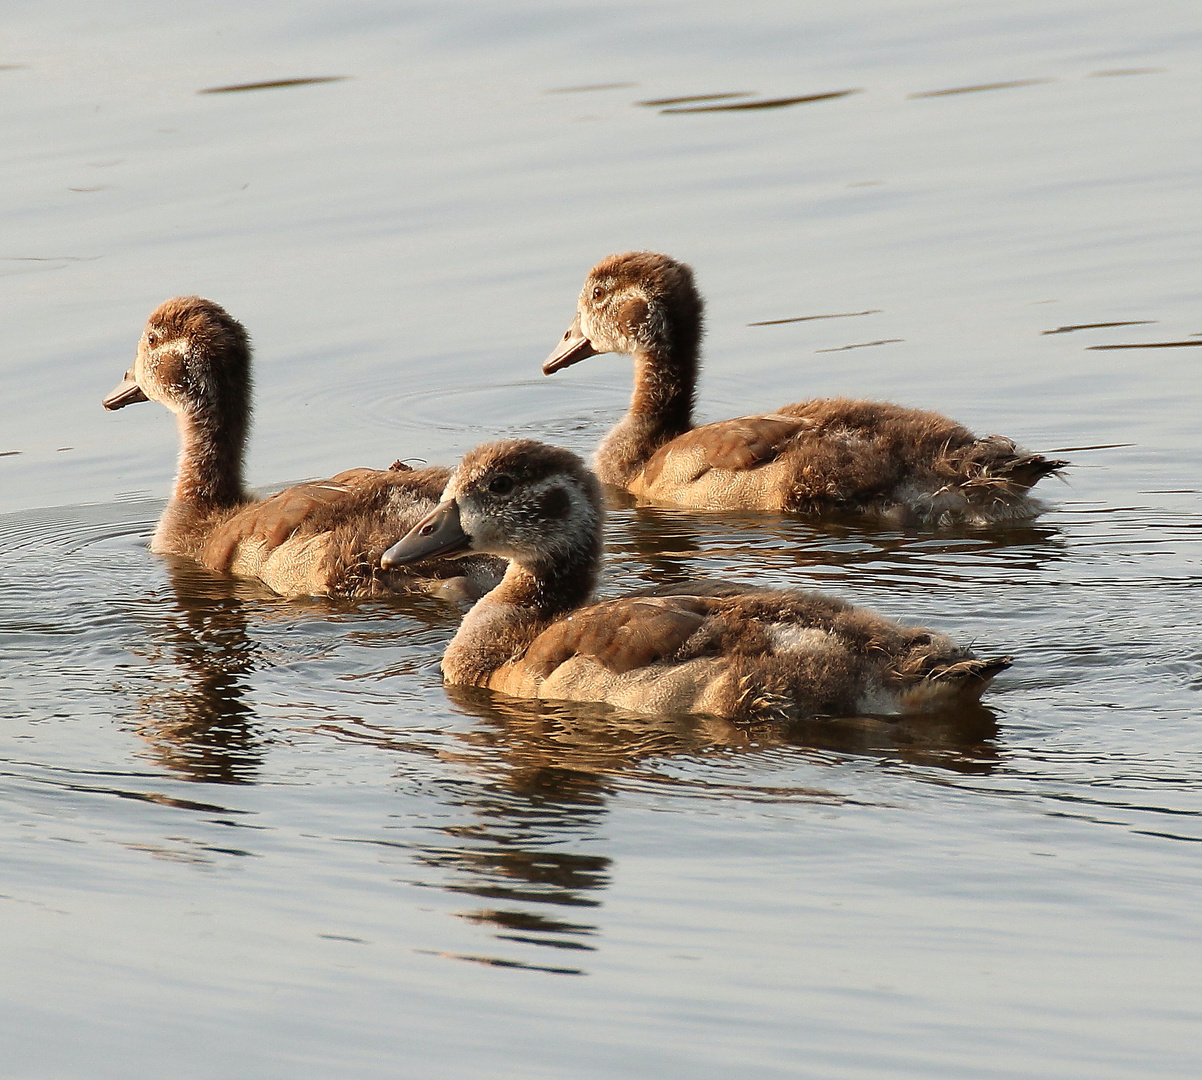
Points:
(995, 464)
(956, 682)
(969, 678)
(1026, 471)
(981, 670)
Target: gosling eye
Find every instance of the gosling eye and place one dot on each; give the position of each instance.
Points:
(152, 339)
(501, 485)
(598, 292)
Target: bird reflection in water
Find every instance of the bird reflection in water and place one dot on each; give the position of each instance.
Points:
(651, 545)
(532, 780)
(196, 720)
(576, 751)
(528, 847)
(542, 802)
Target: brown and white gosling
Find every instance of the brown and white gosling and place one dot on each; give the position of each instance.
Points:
(739, 653)
(315, 539)
(835, 456)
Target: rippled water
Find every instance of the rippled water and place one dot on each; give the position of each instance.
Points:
(256, 838)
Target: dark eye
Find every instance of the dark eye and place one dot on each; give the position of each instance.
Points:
(598, 292)
(152, 339)
(501, 485)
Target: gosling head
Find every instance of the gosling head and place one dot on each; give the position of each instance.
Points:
(534, 504)
(194, 358)
(639, 302)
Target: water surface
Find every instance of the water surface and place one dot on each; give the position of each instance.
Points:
(257, 838)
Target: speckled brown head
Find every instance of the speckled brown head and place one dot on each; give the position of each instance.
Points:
(641, 302)
(520, 499)
(194, 358)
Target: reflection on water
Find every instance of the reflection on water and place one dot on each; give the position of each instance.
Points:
(660, 545)
(1126, 71)
(812, 318)
(1148, 345)
(1098, 326)
(518, 847)
(536, 781)
(590, 88)
(196, 719)
(273, 84)
(542, 749)
(767, 103)
(980, 87)
(550, 769)
(529, 785)
(696, 97)
(861, 345)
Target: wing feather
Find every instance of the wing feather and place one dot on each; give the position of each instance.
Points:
(269, 523)
(621, 635)
(745, 442)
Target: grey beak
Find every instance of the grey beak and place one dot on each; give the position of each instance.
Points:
(126, 393)
(573, 348)
(439, 533)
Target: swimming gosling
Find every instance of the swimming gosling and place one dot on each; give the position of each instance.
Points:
(744, 654)
(824, 457)
(315, 539)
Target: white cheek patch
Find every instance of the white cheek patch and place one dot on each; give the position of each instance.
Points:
(176, 346)
(484, 533)
(582, 510)
(513, 532)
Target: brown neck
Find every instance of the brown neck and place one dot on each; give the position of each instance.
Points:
(208, 480)
(210, 464)
(661, 408)
(501, 626)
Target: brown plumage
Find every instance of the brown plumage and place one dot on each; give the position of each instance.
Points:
(322, 538)
(836, 456)
(706, 647)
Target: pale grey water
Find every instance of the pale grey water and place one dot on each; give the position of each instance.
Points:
(246, 837)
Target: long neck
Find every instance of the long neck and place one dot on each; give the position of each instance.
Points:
(665, 382)
(208, 480)
(529, 598)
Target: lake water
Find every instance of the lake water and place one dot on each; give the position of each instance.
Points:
(245, 837)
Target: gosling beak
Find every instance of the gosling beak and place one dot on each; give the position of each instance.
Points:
(438, 533)
(127, 393)
(572, 348)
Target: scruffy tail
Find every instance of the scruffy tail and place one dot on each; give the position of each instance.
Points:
(956, 682)
(995, 465)
(1025, 471)
(994, 478)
